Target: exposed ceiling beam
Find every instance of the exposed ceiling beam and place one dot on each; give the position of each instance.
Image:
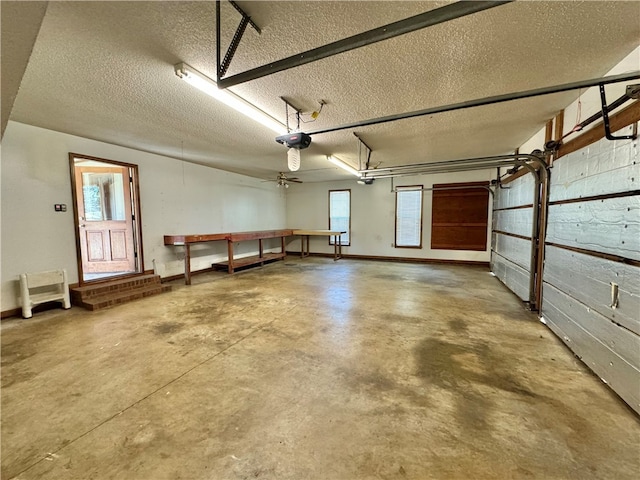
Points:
(624, 77)
(407, 25)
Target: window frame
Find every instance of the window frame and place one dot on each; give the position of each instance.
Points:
(331, 242)
(409, 188)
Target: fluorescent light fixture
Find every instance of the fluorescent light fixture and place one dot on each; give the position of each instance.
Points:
(210, 87)
(339, 163)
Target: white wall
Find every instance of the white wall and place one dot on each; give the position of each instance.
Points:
(176, 198)
(373, 216)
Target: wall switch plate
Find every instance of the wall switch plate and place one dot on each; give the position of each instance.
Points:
(60, 207)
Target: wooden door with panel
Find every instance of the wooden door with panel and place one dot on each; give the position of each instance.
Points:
(105, 219)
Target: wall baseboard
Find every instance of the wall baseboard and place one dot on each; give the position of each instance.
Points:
(180, 276)
(399, 259)
(17, 312)
(43, 307)
(14, 312)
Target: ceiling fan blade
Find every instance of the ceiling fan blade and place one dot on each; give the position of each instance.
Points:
(294, 180)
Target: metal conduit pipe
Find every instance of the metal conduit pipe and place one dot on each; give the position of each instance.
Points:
(465, 161)
(423, 171)
(534, 163)
(535, 233)
(538, 228)
(401, 27)
(406, 173)
(634, 75)
(439, 189)
(542, 232)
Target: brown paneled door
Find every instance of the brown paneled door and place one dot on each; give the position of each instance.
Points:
(459, 218)
(106, 224)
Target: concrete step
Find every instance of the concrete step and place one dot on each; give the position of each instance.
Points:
(116, 298)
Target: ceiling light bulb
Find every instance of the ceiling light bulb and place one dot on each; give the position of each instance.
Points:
(210, 87)
(293, 159)
(339, 163)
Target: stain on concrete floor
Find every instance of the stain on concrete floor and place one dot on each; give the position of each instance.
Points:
(308, 369)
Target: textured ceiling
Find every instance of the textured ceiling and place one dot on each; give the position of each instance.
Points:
(104, 70)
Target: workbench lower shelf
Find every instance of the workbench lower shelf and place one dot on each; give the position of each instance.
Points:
(260, 235)
(249, 261)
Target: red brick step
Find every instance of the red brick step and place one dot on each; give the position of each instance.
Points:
(116, 292)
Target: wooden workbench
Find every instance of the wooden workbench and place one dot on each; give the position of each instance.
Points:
(231, 238)
(187, 241)
(232, 263)
(305, 234)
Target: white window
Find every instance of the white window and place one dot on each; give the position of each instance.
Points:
(340, 215)
(409, 217)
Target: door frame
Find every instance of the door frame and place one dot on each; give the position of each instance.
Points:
(135, 211)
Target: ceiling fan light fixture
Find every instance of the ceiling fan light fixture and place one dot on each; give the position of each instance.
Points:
(205, 84)
(346, 167)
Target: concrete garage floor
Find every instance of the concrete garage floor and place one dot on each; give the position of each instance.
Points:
(309, 370)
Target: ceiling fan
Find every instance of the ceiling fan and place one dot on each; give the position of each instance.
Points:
(283, 181)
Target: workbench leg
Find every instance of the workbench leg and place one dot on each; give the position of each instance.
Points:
(337, 248)
(187, 264)
(230, 253)
(260, 250)
(301, 246)
(284, 252)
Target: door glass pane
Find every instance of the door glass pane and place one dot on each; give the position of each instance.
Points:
(103, 196)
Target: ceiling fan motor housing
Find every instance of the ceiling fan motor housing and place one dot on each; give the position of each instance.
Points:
(298, 140)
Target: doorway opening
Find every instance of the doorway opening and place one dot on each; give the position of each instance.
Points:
(107, 218)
